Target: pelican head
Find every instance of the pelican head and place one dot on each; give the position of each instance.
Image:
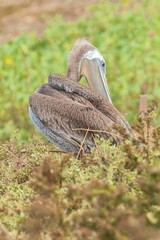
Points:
(85, 60)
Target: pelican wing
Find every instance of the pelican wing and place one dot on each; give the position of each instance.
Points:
(58, 115)
(100, 103)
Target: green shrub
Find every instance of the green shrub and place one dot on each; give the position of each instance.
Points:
(126, 33)
(112, 193)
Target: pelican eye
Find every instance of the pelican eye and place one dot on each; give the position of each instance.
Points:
(103, 64)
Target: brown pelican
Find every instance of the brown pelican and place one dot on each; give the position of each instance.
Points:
(64, 110)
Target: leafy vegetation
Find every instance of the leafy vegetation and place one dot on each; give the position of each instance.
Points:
(113, 193)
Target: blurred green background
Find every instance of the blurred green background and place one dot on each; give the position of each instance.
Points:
(127, 33)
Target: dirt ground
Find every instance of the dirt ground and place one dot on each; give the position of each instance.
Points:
(18, 16)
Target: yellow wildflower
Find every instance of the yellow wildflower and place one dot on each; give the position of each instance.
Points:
(8, 60)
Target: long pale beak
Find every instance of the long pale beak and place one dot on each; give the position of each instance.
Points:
(96, 77)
